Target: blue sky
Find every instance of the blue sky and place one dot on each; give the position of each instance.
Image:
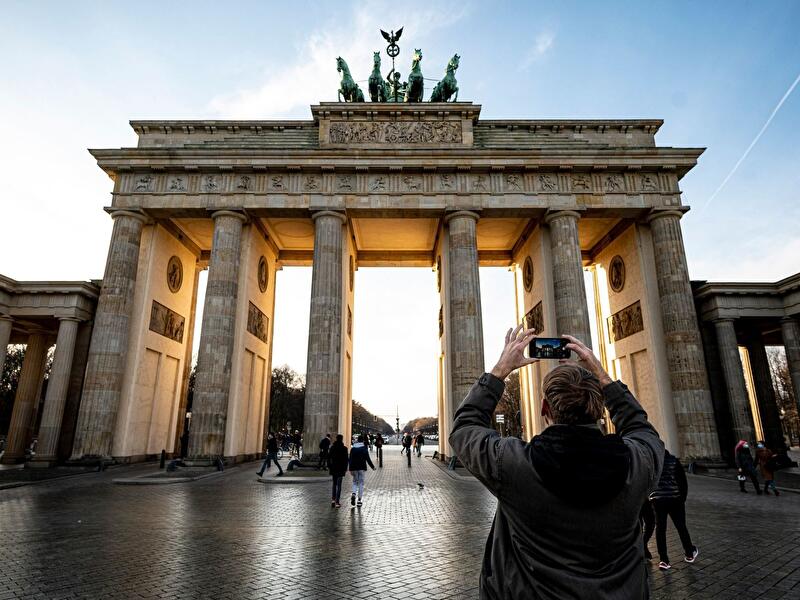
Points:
(75, 73)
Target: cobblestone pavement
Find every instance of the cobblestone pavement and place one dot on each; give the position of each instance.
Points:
(232, 537)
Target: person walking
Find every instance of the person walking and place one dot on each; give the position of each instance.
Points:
(407, 441)
(272, 455)
(568, 502)
(324, 446)
(766, 464)
(744, 462)
(337, 467)
(379, 449)
(669, 500)
(419, 442)
(359, 459)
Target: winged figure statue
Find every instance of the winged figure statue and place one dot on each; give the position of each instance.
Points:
(392, 37)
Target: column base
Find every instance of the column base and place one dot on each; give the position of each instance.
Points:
(43, 462)
(13, 459)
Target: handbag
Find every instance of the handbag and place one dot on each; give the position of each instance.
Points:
(741, 477)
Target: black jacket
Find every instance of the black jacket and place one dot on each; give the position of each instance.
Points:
(744, 460)
(272, 445)
(568, 502)
(324, 444)
(672, 483)
(337, 459)
(359, 457)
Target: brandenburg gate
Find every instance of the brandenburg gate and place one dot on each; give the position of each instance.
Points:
(382, 184)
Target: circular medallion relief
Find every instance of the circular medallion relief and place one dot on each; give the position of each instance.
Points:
(174, 274)
(352, 272)
(263, 274)
(616, 274)
(527, 274)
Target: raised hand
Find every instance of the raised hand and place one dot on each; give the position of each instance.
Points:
(513, 355)
(588, 360)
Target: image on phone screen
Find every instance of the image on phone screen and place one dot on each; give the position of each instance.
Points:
(549, 348)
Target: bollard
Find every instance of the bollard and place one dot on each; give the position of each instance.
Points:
(163, 459)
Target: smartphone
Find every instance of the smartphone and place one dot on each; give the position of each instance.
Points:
(542, 347)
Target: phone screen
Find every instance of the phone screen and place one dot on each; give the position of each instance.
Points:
(541, 347)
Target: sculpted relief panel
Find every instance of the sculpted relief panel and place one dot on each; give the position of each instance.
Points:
(395, 132)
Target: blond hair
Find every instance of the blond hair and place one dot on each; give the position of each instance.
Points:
(573, 394)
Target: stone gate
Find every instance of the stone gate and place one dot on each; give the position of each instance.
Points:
(370, 184)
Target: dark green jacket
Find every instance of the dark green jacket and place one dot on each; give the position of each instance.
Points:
(568, 502)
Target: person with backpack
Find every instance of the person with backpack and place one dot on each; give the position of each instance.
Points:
(746, 466)
(669, 500)
(337, 467)
(359, 459)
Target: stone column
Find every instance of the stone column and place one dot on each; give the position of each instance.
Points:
(102, 388)
(57, 384)
(464, 297)
(28, 390)
(213, 379)
(569, 289)
(323, 370)
(738, 401)
(765, 393)
(790, 329)
(691, 395)
(5, 336)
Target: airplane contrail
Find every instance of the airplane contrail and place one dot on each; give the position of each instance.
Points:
(753, 143)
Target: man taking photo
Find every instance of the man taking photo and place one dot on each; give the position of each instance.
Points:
(568, 502)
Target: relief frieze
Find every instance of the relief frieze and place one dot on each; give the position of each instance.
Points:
(534, 319)
(395, 132)
(257, 323)
(625, 322)
(165, 321)
(377, 182)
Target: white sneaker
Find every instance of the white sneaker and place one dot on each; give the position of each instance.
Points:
(664, 566)
(691, 559)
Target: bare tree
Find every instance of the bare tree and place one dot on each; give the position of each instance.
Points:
(784, 392)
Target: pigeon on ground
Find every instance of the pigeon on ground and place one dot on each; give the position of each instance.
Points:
(420, 485)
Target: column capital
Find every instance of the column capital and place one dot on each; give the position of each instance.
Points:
(723, 320)
(76, 319)
(8, 318)
(784, 319)
(460, 214)
(551, 215)
(134, 213)
(329, 213)
(657, 213)
(229, 213)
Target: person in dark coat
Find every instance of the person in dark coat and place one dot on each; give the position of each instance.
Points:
(324, 446)
(746, 466)
(379, 448)
(568, 502)
(272, 455)
(766, 464)
(407, 441)
(359, 459)
(669, 500)
(337, 467)
(419, 442)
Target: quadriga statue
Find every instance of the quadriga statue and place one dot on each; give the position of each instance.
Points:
(447, 86)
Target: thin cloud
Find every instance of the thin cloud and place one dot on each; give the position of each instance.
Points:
(312, 78)
(752, 144)
(541, 46)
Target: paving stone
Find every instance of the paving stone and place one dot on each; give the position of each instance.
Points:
(232, 537)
